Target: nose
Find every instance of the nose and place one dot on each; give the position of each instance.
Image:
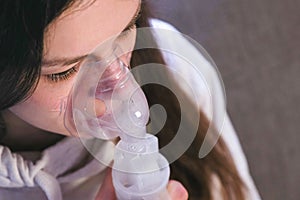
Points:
(100, 107)
(114, 76)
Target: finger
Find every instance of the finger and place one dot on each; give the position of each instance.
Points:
(177, 191)
(106, 192)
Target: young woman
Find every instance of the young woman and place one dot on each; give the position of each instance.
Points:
(42, 45)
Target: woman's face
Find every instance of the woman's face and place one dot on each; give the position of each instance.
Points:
(67, 41)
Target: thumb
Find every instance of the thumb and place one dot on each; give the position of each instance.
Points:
(106, 191)
(177, 191)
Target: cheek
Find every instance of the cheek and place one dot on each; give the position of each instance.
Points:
(59, 105)
(44, 108)
(49, 101)
(40, 108)
(49, 98)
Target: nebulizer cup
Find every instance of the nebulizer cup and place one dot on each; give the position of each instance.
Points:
(104, 80)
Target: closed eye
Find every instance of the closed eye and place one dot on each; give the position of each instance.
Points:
(62, 76)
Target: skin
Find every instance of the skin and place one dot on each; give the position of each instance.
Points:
(75, 33)
(92, 25)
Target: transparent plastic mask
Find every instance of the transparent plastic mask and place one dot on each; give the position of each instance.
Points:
(105, 81)
(126, 111)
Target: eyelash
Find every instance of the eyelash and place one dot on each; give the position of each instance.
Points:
(65, 75)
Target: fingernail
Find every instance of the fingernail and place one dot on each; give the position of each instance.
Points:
(177, 190)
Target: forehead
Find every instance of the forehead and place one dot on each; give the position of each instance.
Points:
(82, 27)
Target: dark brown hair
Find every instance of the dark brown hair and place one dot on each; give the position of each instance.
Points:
(22, 26)
(196, 174)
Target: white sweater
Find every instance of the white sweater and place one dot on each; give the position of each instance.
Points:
(68, 171)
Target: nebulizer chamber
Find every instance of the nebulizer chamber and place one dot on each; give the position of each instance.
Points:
(139, 170)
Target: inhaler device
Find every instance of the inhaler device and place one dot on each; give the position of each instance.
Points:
(139, 172)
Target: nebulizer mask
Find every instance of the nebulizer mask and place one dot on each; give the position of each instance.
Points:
(106, 102)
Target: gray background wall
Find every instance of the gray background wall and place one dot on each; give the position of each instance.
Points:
(256, 46)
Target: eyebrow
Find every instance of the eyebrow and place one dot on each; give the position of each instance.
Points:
(68, 61)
